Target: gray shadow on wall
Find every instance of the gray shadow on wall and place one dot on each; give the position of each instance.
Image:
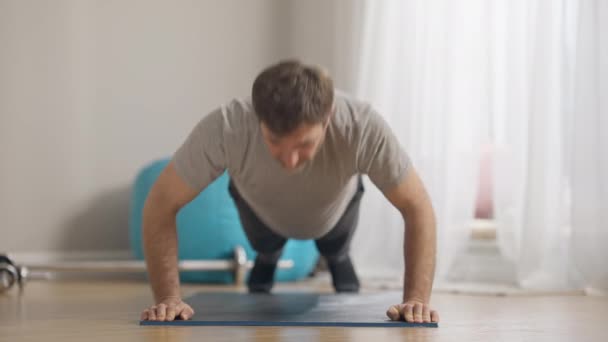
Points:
(103, 224)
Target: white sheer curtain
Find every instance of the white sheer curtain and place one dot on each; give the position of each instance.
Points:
(550, 127)
(588, 167)
(530, 78)
(419, 65)
(533, 65)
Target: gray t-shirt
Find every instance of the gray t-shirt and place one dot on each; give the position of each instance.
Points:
(302, 205)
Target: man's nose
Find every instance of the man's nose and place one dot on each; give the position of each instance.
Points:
(291, 160)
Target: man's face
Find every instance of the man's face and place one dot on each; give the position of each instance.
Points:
(295, 149)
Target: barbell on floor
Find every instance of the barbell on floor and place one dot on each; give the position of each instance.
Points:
(12, 274)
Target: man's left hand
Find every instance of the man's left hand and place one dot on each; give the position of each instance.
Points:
(413, 311)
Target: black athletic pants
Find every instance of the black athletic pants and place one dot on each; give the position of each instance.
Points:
(333, 246)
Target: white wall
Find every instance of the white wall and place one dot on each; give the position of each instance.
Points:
(90, 91)
(327, 32)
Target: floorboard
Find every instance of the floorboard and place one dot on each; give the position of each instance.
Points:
(104, 310)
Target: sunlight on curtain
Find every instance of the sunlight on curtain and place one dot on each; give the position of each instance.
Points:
(419, 66)
(550, 192)
(528, 77)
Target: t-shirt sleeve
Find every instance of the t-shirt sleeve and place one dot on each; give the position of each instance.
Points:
(379, 153)
(202, 156)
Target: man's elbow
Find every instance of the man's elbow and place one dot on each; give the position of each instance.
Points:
(419, 215)
(158, 201)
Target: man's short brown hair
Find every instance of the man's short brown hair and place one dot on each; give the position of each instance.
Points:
(290, 93)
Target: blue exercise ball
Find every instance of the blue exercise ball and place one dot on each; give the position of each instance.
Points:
(209, 228)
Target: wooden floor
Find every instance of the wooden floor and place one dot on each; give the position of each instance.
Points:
(109, 311)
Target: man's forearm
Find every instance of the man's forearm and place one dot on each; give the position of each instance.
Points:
(419, 253)
(160, 248)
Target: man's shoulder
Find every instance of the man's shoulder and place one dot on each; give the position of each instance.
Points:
(351, 111)
(238, 106)
(238, 109)
(236, 115)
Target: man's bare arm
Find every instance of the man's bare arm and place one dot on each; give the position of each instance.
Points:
(167, 196)
(411, 199)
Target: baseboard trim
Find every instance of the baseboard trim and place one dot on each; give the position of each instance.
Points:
(23, 258)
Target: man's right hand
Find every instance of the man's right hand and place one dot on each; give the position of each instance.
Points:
(168, 310)
(159, 234)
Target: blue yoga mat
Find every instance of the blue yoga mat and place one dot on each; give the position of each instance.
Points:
(291, 309)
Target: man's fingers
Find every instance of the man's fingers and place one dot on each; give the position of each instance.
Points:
(408, 312)
(393, 313)
(152, 313)
(418, 312)
(186, 313)
(412, 312)
(434, 316)
(167, 311)
(426, 314)
(161, 312)
(170, 312)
